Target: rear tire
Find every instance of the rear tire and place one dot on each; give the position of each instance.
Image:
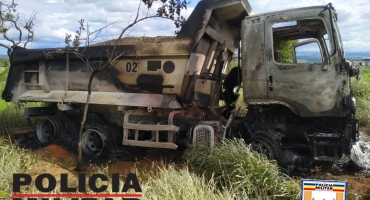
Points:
(96, 142)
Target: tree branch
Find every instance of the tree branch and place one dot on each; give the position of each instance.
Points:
(113, 57)
(10, 19)
(29, 27)
(6, 46)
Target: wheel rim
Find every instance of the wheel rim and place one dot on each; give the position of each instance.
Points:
(263, 147)
(94, 142)
(46, 130)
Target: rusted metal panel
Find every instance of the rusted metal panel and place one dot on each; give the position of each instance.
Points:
(105, 98)
(253, 55)
(206, 93)
(150, 46)
(210, 21)
(228, 13)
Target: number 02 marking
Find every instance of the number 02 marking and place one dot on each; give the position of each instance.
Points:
(131, 67)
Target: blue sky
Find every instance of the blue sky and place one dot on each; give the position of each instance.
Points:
(55, 18)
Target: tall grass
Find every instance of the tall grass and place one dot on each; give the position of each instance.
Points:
(13, 160)
(170, 183)
(361, 91)
(166, 182)
(248, 174)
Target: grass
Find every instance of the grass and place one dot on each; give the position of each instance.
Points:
(170, 183)
(166, 183)
(237, 173)
(13, 160)
(361, 91)
(248, 174)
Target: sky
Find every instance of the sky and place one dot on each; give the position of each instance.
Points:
(55, 18)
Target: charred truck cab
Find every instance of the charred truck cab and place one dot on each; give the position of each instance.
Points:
(301, 105)
(165, 90)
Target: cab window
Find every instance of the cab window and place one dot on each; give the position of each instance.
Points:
(301, 41)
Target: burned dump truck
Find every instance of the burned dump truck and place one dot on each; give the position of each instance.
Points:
(167, 90)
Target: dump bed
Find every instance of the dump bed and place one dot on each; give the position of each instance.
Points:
(152, 72)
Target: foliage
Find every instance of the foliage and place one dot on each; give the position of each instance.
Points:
(236, 167)
(361, 91)
(285, 48)
(9, 20)
(4, 62)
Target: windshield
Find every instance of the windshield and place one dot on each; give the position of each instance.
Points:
(366, 60)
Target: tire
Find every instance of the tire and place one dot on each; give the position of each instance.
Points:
(96, 142)
(266, 143)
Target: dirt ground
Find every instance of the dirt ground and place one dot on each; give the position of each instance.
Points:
(56, 160)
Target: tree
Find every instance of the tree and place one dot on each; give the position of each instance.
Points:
(170, 9)
(10, 19)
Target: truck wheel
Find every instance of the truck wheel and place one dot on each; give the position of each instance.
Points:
(266, 144)
(56, 128)
(96, 142)
(49, 128)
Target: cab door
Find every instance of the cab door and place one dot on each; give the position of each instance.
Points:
(253, 60)
(310, 86)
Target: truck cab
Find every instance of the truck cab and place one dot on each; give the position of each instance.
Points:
(296, 83)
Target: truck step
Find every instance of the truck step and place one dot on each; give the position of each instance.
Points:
(327, 143)
(164, 126)
(325, 135)
(151, 127)
(326, 158)
(164, 145)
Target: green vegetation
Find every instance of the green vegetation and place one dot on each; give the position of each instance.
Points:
(170, 183)
(4, 62)
(246, 173)
(12, 160)
(361, 91)
(234, 176)
(285, 48)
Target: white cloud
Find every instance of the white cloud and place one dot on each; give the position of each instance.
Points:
(56, 17)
